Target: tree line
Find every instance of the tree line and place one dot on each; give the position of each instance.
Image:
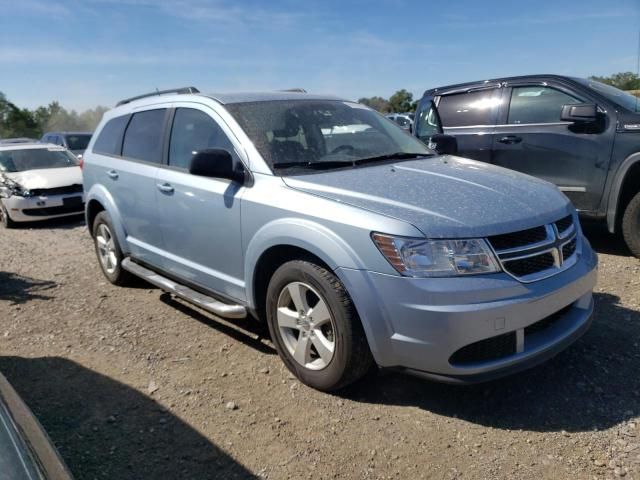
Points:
(22, 122)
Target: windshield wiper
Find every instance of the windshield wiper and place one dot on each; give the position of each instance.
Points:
(391, 156)
(315, 165)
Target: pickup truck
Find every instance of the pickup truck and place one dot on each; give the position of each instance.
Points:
(581, 135)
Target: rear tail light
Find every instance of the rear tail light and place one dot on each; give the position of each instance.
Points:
(80, 162)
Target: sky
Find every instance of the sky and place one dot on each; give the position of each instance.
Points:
(85, 53)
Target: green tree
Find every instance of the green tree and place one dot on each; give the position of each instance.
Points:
(622, 80)
(402, 101)
(16, 122)
(380, 104)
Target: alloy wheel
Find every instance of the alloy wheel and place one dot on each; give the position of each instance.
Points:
(306, 325)
(106, 249)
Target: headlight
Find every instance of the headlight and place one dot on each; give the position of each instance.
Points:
(416, 257)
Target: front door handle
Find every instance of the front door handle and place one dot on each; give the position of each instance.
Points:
(510, 139)
(113, 174)
(165, 188)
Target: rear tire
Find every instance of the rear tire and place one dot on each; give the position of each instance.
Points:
(108, 251)
(631, 225)
(315, 326)
(5, 220)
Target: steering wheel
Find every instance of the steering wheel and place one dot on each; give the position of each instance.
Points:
(342, 148)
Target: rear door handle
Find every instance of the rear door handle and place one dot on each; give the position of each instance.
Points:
(113, 174)
(165, 188)
(510, 139)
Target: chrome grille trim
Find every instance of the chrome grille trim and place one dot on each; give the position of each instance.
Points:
(553, 244)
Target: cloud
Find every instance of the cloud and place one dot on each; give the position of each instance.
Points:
(37, 7)
(213, 11)
(64, 56)
(462, 21)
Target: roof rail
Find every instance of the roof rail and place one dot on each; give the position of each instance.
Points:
(159, 92)
(294, 90)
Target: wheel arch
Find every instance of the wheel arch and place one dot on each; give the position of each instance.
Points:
(97, 200)
(274, 244)
(626, 185)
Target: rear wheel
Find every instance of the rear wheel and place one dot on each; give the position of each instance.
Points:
(108, 250)
(631, 225)
(315, 327)
(5, 220)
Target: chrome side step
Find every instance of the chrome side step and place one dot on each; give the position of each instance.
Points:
(203, 301)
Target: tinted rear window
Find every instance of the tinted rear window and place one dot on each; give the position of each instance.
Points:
(143, 138)
(78, 142)
(109, 140)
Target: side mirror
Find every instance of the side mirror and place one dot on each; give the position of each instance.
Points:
(443, 144)
(579, 113)
(215, 163)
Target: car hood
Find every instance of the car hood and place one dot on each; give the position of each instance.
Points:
(47, 178)
(444, 196)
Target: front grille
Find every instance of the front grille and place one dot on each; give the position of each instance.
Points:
(47, 211)
(518, 239)
(545, 322)
(529, 265)
(486, 350)
(538, 252)
(57, 191)
(564, 224)
(569, 249)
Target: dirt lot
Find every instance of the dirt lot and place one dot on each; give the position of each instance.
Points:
(133, 385)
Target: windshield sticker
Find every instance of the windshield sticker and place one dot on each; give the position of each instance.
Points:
(55, 149)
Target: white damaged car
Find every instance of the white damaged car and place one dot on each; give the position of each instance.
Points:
(37, 182)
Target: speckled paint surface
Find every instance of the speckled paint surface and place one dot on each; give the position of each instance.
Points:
(443, 196)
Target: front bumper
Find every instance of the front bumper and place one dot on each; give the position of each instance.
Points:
(418, 324)
(31, 209)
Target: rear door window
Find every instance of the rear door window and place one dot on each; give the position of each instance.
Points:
(193, 131)
(537, 105)
(143, 138)
(469, 109)
(109, 139)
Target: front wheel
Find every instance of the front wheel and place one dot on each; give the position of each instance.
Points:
(315, 327)
(108, 250)
(631, 225)
(5, 219)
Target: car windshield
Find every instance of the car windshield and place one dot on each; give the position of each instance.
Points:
(620, 97)
(312, 134)
(35, 159)
(78, 142)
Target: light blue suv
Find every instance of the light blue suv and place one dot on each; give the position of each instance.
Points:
(356, 243)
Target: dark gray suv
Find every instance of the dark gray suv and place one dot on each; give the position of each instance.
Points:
(582, 135)
(75, 141)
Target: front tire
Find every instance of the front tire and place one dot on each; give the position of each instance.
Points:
(108, 250)
(5, 220)
(631, 225)
(315, 326)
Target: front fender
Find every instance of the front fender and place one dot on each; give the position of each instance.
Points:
(100, 194)
(313, 237)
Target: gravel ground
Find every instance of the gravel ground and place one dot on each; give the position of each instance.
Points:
(131, 384)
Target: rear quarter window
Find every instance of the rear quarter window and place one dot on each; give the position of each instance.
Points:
(109, 139)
